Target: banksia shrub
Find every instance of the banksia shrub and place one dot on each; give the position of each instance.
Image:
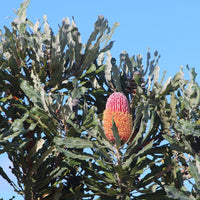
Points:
(117, 108)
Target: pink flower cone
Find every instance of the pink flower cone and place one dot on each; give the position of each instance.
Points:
(117, 108)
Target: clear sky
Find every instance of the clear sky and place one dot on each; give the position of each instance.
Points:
(172, 27)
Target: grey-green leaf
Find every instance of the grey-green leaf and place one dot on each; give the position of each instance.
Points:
(71, 142)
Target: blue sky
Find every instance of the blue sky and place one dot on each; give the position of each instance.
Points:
(171, 27)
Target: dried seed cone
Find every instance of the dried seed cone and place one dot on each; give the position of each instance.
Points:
(117, 108)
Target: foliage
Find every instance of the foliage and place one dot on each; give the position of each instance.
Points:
(53, 90)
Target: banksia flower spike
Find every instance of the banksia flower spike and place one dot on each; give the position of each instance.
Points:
(117, 108)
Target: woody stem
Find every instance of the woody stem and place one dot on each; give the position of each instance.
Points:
(119, 180)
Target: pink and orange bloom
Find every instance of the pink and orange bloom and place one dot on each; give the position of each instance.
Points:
(117, 108)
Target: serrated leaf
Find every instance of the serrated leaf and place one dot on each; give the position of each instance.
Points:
(133, 156)
(108, 47)
(4, 175)
(166, 86)
(71, 142)
(31, 93)
(89, 119)
(89, 71)
(99, 27)
(198, 163)
(116, 77)
(174, 144)
(195, 174)
(70, 154)
(42, 158)
(174, 193)
(145, 149)
(58, 171)
(158, 195)
(173, 103)
(40, 90)
(187, 128)
(137, 79)
(47, 31)
(153, 78)
(22, 11)
(108, 67)
(16, 128)
(100, 58)
(108, 37)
